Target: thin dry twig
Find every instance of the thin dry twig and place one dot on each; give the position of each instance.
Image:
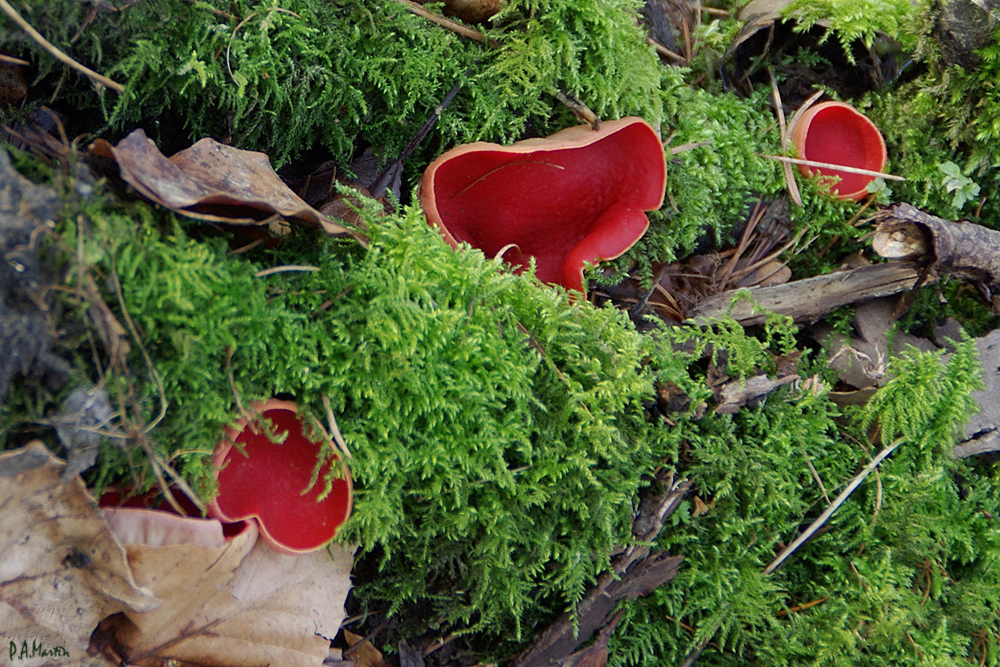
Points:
(828, 512)
(665, 52)
(142, 348)
(816, 476)
(786, 168)
(687, 147)
(755, 217)
(448, 24)
(217, 12)
(11, 60)
(829, 165)
(802, 109)
(230, 351)
(579, 109)
(55, 52)
(334, 428)
(289, 268)
(802, 607)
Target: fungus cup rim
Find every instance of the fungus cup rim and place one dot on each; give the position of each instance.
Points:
(219, 459)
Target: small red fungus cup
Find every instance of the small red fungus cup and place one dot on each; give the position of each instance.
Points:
(837, 133)
(578, 196)
(272, 482)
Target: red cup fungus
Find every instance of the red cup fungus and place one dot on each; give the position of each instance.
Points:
(270, 482)
(577, 196)
(837, 133)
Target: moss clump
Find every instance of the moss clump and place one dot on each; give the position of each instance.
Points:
(903, 573)
(282, 77)
(500, 429)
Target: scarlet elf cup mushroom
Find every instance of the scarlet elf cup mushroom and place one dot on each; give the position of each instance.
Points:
(837, 133)
(580, 195)
(273, 482)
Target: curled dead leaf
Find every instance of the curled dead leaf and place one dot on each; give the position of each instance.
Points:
(61, 570)
(211, 181)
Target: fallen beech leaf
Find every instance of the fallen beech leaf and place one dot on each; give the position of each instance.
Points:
(364, 655)
(862, 361)
(61, 571)
(237, 606)
(210, 181)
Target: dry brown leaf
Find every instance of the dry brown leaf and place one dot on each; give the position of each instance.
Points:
(210, 181)
(61, 571)
(862, 361)
(237, 606)
(364, 655)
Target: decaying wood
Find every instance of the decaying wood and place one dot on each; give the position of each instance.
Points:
(637, 572)
(738, 393)
(982, 431)
(809, 299)
(962, 249)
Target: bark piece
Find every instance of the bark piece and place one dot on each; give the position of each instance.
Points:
(637, 572)
(982, 431)
(964, 27)
(26, 338)
(962, 249)
(78, 423)
(862, 360)
(810, 299)
(738, 393)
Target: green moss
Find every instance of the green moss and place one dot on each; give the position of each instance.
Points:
(499, 428)
(946, 114)
(854, 20)
(283, 77)
(903, 574)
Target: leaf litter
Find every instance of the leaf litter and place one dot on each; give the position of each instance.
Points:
(67, 582)
(212, 182)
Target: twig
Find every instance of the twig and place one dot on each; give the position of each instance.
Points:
(802, 109)
(392, 172)
(816, 476)
(818, 523)
(828, 165)
(805, 535)
(755, 217)
(230, 351)
(786, 168)
(142, 348)
(13, 61)
(687, 147)
(802, 607)
(55, 52)
(448, 24)
(579, 109)
(665, 52)
(334, 429)
(288, 268)
(217, 12)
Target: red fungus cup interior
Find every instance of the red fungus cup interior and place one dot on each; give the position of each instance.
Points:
(837, 133)
(577, 196)
(272, 482)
